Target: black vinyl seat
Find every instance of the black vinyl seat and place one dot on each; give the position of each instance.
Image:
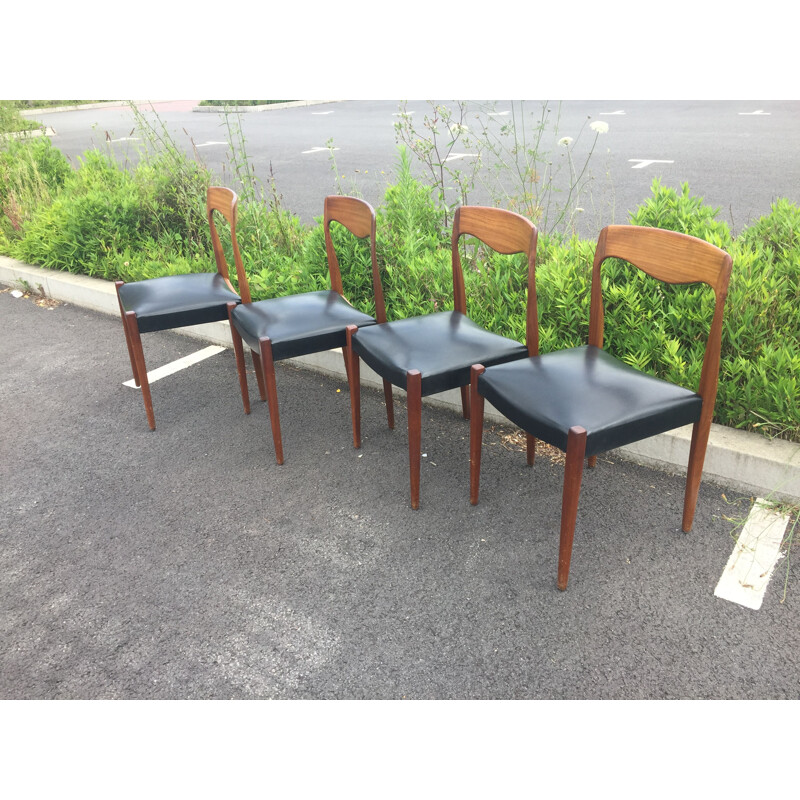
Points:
(443, 346)
(310, 322)
(177, 301)
(616, 403)
(432, 353)
(298, 324)
(585, 401)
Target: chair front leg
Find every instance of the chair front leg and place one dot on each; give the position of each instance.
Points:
(268, 366)
(476, 403)
(694, 472)
(414, 392)
(573, 474)
(241, 369)
(118, 285)
(132, 329)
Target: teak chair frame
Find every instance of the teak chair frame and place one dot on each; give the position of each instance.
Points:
(358, 217)
(225, 202)
(672, 258)
(503, 231)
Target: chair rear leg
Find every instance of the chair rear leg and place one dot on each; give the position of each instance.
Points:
(573, 473)
(354, 382)
(259, 370)
(131, 356)
(530, 448)
(268, 367)
(475, 433)
(414, 392)
(697, 455)
(132, 328)
(387, 396)
(241, 369)
(346, 364)
(465, 411)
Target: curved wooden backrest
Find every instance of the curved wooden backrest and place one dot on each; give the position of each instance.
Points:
(225, 201)
(505, 232)
(674, 258)
(358, 217)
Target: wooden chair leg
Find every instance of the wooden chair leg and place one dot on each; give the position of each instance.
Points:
(241, 369)
(259, 370)
(592, 460)
(117, 285)
(697, 455)
(475, 433)
(354, 382)
(530, 448)
(573, 473)
(465, 402)
(268, 367)
(132, 328)
(387, 396)
(414, 392)
(346, 364)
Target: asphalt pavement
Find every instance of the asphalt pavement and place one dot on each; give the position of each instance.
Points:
(185, 564)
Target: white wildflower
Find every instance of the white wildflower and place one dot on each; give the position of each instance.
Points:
(599, 126)
(565, 141)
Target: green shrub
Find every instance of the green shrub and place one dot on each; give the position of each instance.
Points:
(683, 213)
(31, 174)
(102, 220)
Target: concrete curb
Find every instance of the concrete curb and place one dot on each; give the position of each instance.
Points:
(30, 134)
(740, 460)
(268, 107)
(35, 112)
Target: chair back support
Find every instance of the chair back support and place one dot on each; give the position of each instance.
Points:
(358, 217)
(506, 232)
(670, 257)
(226, 202)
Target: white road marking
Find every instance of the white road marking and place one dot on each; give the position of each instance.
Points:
(402, 113)
(320, 113)
(753, 560)
(498, 113)
(612, 113)
(176, 366)
(126, 139)
(758, 113)
(319, 150)
(208, 144)
(456, 156)
(639, 163)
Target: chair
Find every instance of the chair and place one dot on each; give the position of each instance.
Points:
(311, 322)
(176, 301)
(584, 401)
(432, 353)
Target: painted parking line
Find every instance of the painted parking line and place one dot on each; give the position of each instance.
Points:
(176, 366)
(640, 163)
(747, 573)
